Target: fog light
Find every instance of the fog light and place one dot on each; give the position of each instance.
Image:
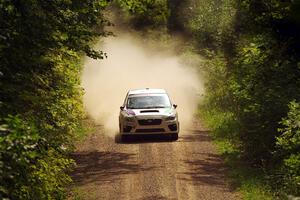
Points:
(173, 127)
(127, 129)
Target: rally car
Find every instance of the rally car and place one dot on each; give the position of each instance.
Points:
(148, 111)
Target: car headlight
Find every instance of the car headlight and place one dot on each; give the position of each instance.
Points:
(171, 118)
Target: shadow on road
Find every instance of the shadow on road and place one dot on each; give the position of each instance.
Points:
(186, 136)
(209, 170)
(136, 139)
(103, 166)
(195, 136)
(157, 197)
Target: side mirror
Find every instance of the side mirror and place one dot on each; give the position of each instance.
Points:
(174, 105)
(121, 107)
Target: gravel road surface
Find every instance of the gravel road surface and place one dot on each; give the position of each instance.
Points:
(151, 168)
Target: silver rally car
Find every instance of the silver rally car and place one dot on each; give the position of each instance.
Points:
(148, 111)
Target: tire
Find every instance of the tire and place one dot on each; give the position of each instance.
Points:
(124, 138)
(120, 128)
(118, 138)
(174, 136)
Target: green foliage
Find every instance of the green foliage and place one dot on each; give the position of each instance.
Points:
(253, 188)
(217, 84)
(146, 13)
(20, 146)
(259, 74)
(210, 21)
(262, 84)
(291, 178)
(29, 170)
(223, 124)
(48, 178)
(251, 76)
(289, 146)
(41, 45)
(289, 141)
(218, 105)
(249, 181)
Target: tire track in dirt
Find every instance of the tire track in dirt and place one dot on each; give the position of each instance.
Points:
(151, 168)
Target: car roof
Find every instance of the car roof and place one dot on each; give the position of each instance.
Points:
(146, 91)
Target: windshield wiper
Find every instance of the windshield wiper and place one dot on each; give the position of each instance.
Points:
(154, 107)
(133, 108)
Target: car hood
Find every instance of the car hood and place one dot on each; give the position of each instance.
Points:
(152, 111)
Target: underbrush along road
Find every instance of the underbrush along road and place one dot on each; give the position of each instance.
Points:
(151, 168)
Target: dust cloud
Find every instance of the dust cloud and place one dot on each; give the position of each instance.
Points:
(132, 64)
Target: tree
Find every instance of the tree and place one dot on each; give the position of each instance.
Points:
(41, 45)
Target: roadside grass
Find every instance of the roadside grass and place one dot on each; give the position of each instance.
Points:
(76, 194)
(86, 128)
(249, 181)
(80, 194)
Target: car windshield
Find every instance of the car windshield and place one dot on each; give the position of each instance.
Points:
(148, 101)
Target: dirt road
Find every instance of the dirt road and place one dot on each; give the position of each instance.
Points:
(151, 169)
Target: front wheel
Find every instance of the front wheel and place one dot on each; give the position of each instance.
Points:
(125, 138)
(120, 128)
(174, 136)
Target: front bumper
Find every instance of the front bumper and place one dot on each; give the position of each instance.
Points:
(150, 125)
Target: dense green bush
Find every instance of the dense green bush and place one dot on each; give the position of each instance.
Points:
(210, 21)
(144, 14)
(263, 84)
(289, 147)
(29, 168)
(41, 45)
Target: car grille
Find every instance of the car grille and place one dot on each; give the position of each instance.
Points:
(149, 121)
(152, 130)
